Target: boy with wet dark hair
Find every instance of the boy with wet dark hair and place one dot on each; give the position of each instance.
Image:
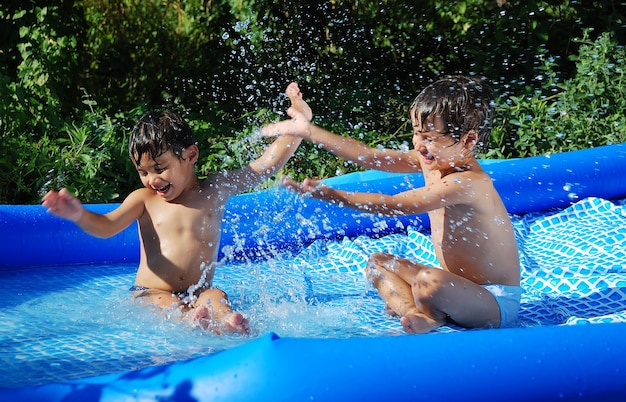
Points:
(157, 133)
(478, 283)
(179, 216)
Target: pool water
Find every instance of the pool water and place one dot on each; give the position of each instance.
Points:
(70, 322)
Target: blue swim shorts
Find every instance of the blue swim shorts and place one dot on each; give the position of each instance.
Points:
(136, 288)
(184, 296)
(508, 299)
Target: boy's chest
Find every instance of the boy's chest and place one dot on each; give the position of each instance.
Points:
(195, 219)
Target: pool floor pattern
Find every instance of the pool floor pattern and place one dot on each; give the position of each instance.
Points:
(71, 322)
(63, 323)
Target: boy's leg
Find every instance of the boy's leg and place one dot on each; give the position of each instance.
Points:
(212, 311)
(436, 295)
(392, 276)
(452, 297)
(160, 298)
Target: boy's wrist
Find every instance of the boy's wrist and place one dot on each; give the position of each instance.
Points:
(79, 215)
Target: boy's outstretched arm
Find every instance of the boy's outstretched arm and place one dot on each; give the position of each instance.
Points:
(409, 202)
(366, 202)
(274, 157)
(283, 148)
(345, 147)
(277, 153)
(65, 205)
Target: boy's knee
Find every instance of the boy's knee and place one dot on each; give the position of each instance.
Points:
(425, 284)
(381, 260)
(213, 294)
(375, 258)
(375, 264)
(219, 294)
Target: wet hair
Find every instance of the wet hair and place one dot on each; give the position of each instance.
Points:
(464, 103)
(159, 132)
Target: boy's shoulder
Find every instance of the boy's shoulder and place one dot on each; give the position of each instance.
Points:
(139, 196)
(142, 192)
(214, 179)
(469, 182)
(229, 181)
(468, 172)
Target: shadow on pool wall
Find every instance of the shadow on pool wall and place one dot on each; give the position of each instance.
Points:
(267, 223)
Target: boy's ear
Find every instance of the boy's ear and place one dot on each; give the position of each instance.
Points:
(191, 153)
(470, 139)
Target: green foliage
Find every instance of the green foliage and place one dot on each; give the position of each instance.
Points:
(584, 111)
(85, 158)
(75, 75)
(91, 159)
(35, 85)
(148, 50)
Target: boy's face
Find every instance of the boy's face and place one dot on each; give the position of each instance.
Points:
(437, 148)
(168, 175)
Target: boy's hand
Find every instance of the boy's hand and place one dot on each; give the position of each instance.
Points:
(307, 187)
(297, 102)
(63, 204)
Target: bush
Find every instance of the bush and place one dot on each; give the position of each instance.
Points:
(584, 111)
(76, 74)
(35, 84)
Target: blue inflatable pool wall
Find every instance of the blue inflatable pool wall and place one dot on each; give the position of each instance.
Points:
(543, 363)
(261, 223)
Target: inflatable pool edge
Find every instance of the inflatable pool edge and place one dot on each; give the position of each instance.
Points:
(265, 223)
(548, 363)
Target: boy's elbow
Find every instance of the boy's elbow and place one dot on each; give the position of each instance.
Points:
(105, 235)
(99, 233)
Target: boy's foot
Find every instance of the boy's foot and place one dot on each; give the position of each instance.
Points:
(233, 323)
(418, 324)
(236, 323)
(297, 102)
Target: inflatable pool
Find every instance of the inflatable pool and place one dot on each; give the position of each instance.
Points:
(533, 362)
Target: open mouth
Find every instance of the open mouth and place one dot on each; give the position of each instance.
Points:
(428, 157)
(164, 189)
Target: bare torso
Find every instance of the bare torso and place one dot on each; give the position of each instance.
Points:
(180, 240)
(475, 239)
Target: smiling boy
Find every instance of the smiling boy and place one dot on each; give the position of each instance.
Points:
(179, 216)
(478, 283)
